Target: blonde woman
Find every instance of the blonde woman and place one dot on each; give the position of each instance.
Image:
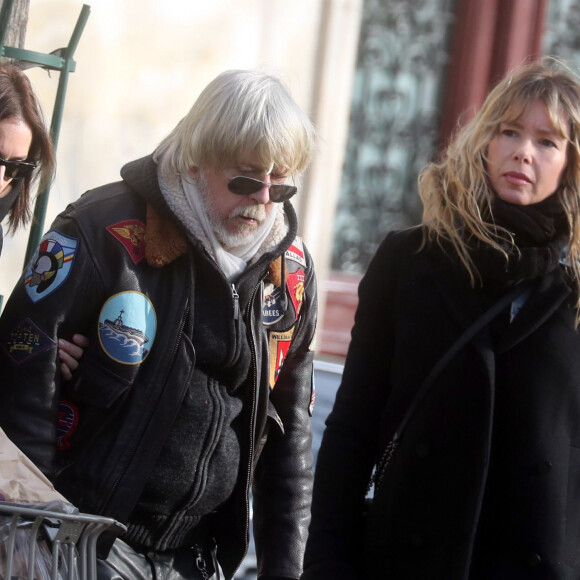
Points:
(483, 478)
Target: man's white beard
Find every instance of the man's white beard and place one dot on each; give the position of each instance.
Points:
(246, 233)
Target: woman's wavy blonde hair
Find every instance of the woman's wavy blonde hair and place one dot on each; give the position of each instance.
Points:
(455, 190)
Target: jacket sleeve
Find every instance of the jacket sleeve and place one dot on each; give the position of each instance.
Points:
(283, 478)
(347, 452)
(51, 299)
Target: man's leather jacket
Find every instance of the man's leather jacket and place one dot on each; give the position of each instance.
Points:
(117, 267)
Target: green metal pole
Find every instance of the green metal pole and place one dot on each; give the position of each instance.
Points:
(69, 66)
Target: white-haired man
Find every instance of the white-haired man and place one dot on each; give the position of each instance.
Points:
(199, 302)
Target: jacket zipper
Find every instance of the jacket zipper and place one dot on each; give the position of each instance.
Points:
(136, 445)
(253, 408)
(236, 297)
(237, 346)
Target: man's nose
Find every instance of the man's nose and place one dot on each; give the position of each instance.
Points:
(262, 196)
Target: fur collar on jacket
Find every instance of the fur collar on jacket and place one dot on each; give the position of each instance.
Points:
(165, 241)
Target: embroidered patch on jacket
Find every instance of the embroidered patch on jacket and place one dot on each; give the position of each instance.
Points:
(131, 235)
(127, 327)
(271, 307)
(295, 285)
(50, 265)
(312, 396)
(278, 347)
(296, 252)
(68, 417)
(26, 341)
(313, 343)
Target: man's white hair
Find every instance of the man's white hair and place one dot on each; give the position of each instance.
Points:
(240, 113)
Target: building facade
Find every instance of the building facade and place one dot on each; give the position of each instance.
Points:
(385, 81)
(422, 68)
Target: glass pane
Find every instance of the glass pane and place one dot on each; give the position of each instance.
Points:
(394, 120)
(561, 36)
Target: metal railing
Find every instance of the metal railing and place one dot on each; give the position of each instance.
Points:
(37, 543)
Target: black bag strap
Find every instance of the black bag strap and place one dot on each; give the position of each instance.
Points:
(459, 343)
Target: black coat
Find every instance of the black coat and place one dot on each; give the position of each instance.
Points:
(486, 480)
(101, 436)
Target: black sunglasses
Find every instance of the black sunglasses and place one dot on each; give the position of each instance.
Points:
(242, 185)
(17, 169)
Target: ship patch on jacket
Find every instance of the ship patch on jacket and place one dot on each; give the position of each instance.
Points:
(127, 327)
(50, 265)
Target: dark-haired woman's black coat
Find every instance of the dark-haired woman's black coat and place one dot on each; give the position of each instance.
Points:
(486, 480)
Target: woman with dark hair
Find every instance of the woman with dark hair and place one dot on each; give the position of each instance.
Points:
(26, 159)
(462, 380)
(26, 152)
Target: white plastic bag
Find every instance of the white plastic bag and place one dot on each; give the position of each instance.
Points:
(27, 542)
(20, 479)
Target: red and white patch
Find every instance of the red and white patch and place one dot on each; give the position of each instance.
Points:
(312, 396)
(131, 235)
(68, 418)
(295, 285)
(278, 347)
(296, 252)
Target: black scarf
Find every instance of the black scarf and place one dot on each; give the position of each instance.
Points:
(541, 234)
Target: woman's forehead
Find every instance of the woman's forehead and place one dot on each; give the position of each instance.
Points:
(520, 107)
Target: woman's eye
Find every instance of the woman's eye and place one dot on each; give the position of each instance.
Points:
(548, 143)
(508, 132)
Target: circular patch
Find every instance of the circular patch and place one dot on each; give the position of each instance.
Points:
(271, 304)
(51, 265)
(68, 418)
(127, 327)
